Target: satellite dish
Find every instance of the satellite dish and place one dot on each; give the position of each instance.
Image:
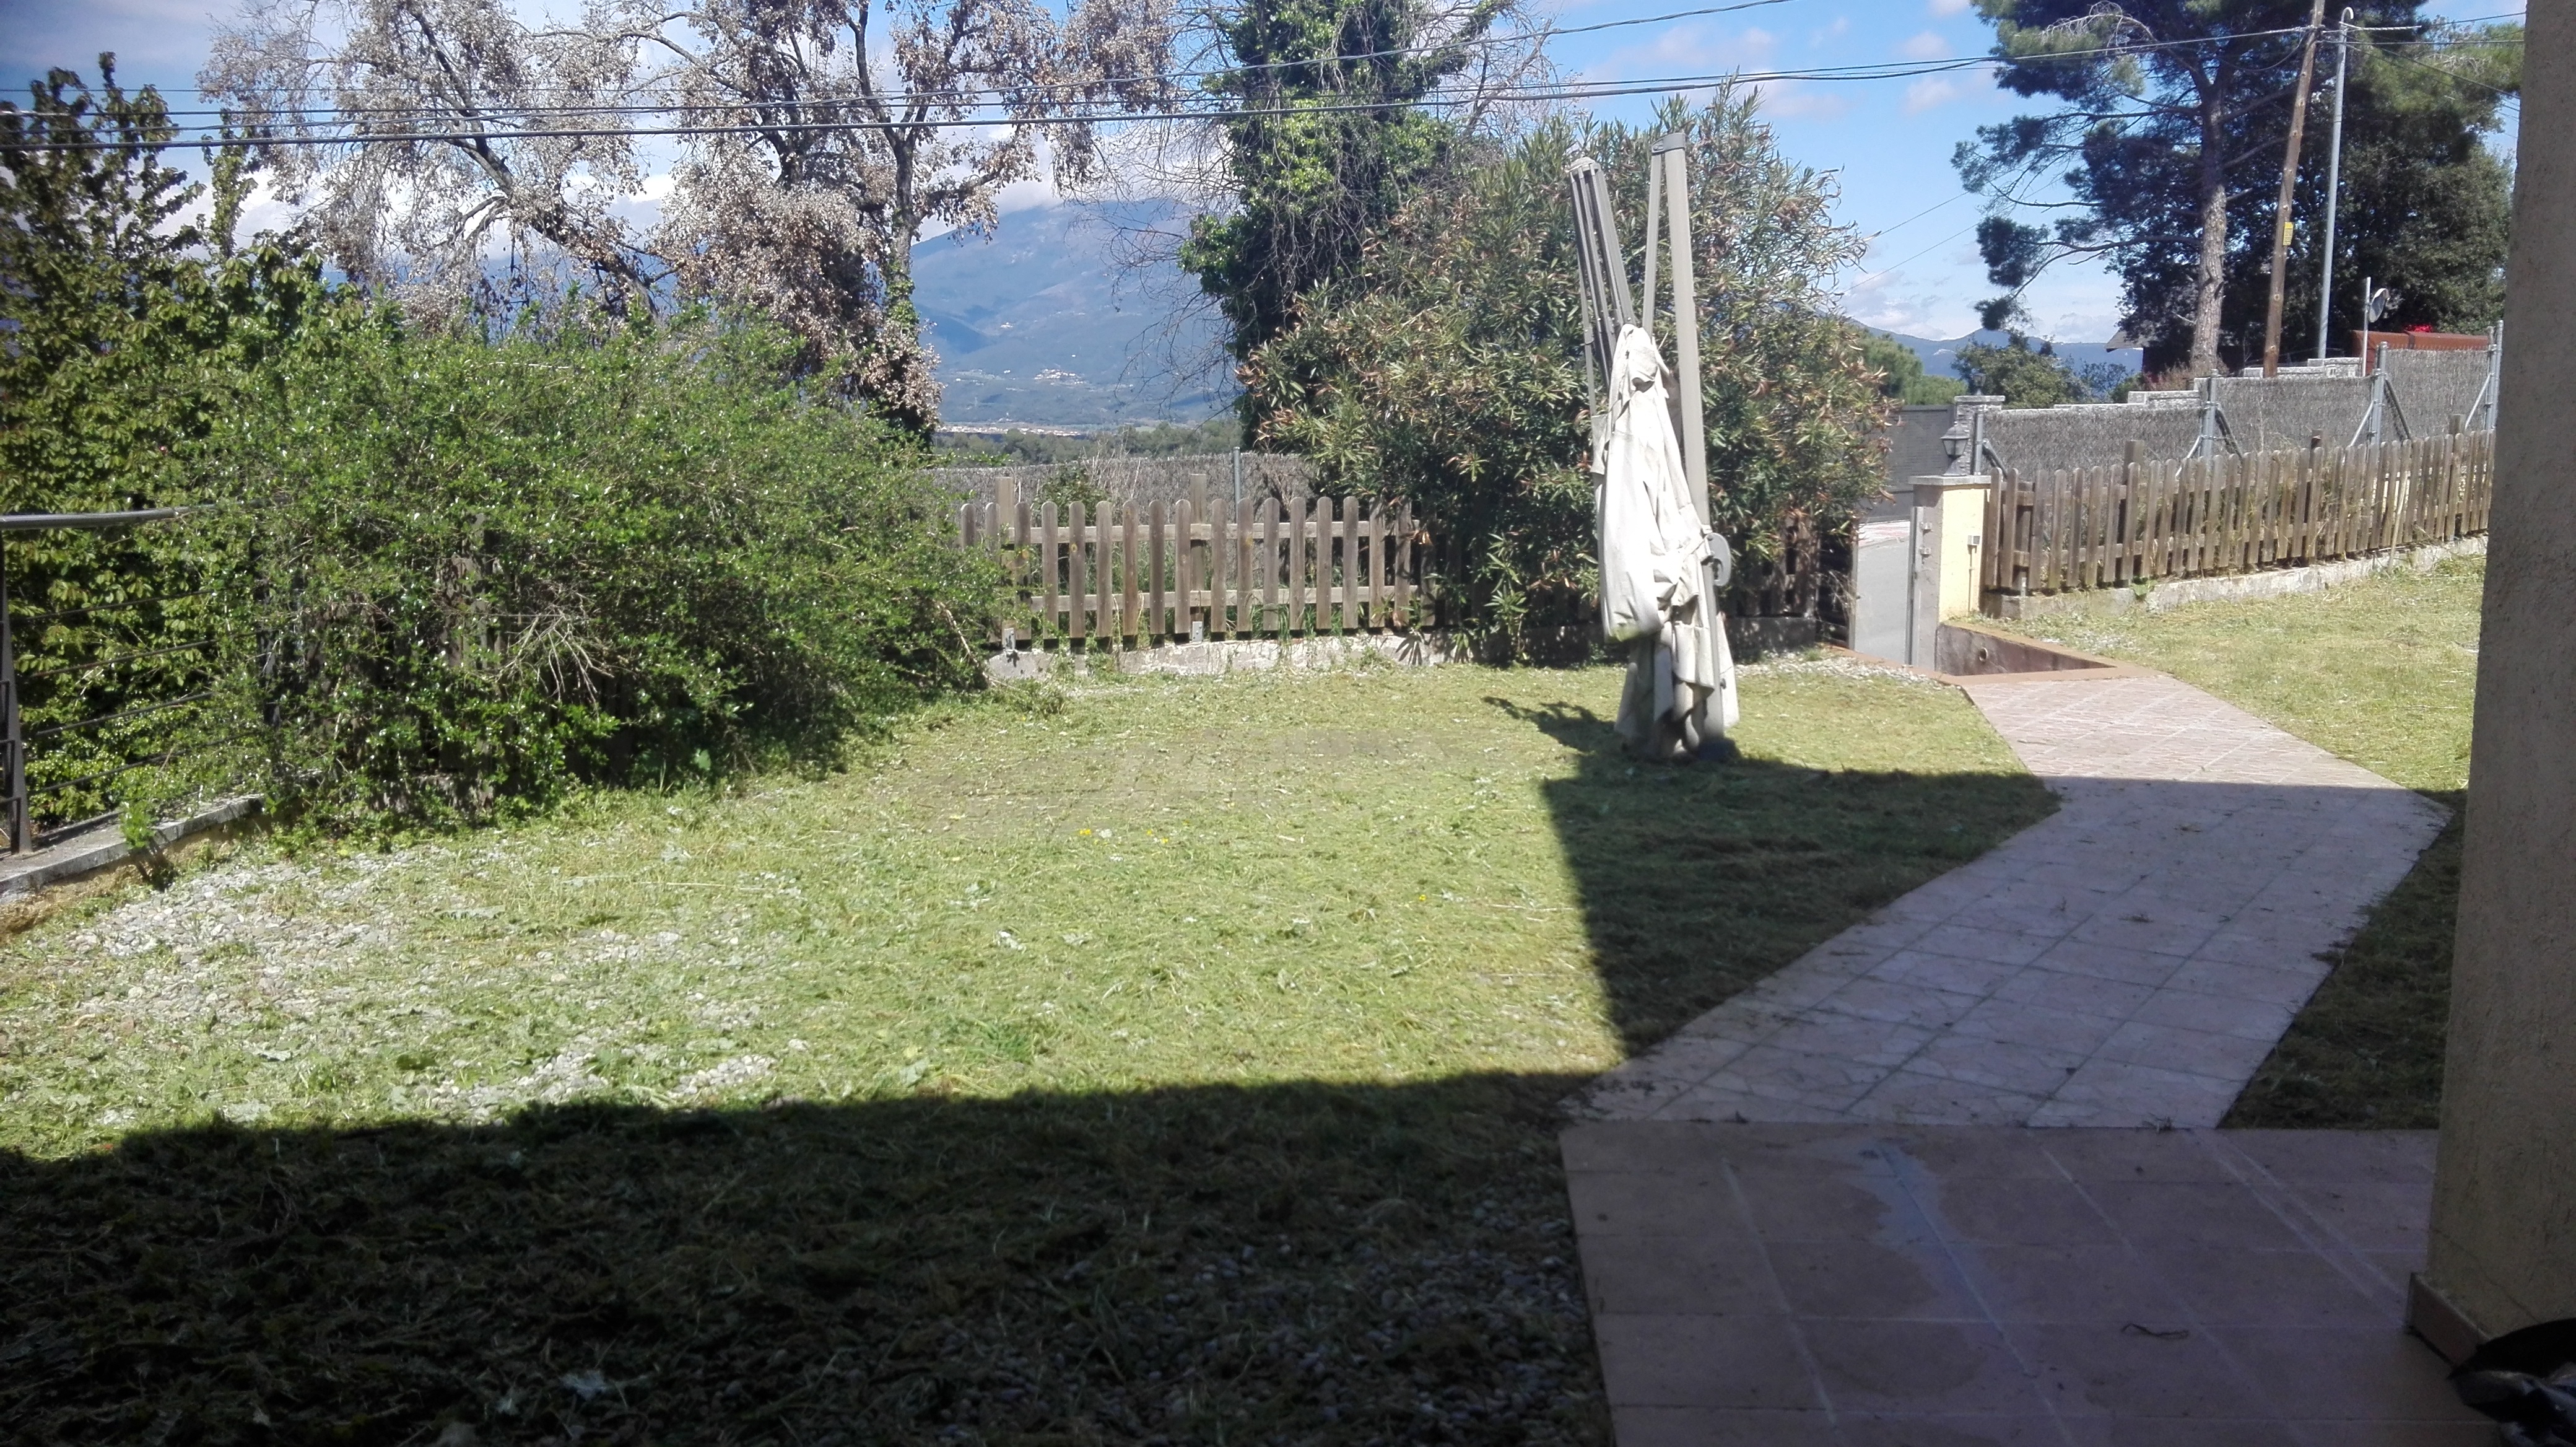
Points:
(2381, 302)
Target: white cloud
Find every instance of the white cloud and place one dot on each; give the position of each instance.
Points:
(1930, 91)
(1926, 46)
(1835, 31)
(1788, 99)
(1690, 48)
(1894, 302)
(1947, 7)
(1031, 194)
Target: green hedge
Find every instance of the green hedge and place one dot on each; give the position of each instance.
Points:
(477, 573)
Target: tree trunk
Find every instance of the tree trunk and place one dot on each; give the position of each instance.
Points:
(2211, 291)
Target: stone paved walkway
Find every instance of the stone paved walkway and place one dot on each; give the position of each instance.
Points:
(2130, 960)
(1902, 1286)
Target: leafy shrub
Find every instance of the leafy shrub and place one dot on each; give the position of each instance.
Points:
(476, 572)
(1447, 368)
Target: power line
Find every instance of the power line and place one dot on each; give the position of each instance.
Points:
(1576, 90)
(1563, 92)
(1649, 86)
(1540, 36)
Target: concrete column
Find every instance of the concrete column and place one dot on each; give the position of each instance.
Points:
(2503, 1252)
(1949, 514)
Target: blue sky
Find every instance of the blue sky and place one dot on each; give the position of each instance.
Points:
(1887, 143)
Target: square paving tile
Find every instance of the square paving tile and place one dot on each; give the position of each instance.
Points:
(2080, 994)
(1920, 1366)
(1703, 1361)
(1933, 1285)
(1911, 1097)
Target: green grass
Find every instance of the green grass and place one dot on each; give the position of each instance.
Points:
(2382, 672)
(1169, 1061)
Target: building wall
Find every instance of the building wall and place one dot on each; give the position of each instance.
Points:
(2503, 1248)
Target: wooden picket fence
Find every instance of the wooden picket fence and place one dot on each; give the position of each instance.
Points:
(2108, 527)
(1185, 570)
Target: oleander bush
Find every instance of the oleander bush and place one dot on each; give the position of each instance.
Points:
(434, 571)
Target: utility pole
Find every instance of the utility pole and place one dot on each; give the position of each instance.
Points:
(2289, 184)
(2334, 178)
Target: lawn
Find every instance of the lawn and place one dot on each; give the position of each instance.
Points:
(2382, 672)
(1160, 1060)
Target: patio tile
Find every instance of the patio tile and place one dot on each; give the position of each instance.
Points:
(1774, 1072)
(1919, 1366)
(2394, 1434)
(1998, 945)
(2229, 1287)
(1950, 1430)
(2348, 1374)
(2080, 994)
(2032, 1070)
(2181, 1432)
(1898, 1003)
(1702, 1361)
(2199, 862)
(1913, 1098)
(1632, 1203)
(2118, 1094)
(1792, 1207)
(1869, 1042)
(1863, 1279)
(2123, 1157)
(2371, 1215)
(2110, 962)
(2229, 1058)
(1719, 1273)
(1722, 1427)
(2017, 1213)
(2065, 1284)
(2221, 1014)
(1973, 978)
(2037, 1027)
(2099, 1369)
(2159, 1216)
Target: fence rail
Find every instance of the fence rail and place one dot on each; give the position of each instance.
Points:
(2110, 527)
(1169, 570)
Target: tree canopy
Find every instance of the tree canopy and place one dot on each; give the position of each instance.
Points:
(448, 135)
(1446, 367)
(1901, 374)
(2169, 139)
(1334, 141)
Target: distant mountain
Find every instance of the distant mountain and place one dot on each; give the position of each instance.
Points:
(1940, 359)
(1040, 325)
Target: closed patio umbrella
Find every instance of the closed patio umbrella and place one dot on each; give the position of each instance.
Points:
(1661, 566)
(1656, 591)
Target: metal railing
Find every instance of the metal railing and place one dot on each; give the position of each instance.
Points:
(17, 740)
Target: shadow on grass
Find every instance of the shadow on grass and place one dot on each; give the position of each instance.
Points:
(1303, 1263)
(1698, 880)
(2366, 1050)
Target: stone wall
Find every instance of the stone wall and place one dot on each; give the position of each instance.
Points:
(2328, 400)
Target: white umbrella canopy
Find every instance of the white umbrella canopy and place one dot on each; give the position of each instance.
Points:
(1656, 593)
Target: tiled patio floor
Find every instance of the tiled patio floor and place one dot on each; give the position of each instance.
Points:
(2129, 960)
(1787, 1285)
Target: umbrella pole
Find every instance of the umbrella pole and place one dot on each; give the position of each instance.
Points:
(1673, 151)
